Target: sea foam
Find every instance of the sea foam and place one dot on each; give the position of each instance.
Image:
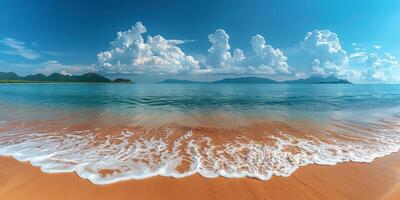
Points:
(104, 158)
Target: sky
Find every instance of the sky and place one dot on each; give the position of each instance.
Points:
(151, 40)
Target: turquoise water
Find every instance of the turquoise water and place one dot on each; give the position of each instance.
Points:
(89, 128)
(270, 100)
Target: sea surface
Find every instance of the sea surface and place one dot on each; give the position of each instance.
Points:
(113, 132)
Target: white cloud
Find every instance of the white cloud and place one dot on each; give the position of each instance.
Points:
(18, 48)
(376, 46)
(324, 46)
(358, 56)
(52, 66)
(331, 69)
(262, 60)
(65, 73)
(373, 66)
(47, 67)
(130, 54)
(219, 55)
(300, 75)
(265, 55)
(381, 68)
(320, 53)
(178, 42)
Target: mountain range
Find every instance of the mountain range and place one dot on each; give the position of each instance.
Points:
(11, 77)
(259, 80)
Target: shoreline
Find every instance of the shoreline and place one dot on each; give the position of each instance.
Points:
(284, 148)
(377, 180)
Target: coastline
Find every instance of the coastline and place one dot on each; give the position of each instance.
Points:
(107, 145)
(377, 180)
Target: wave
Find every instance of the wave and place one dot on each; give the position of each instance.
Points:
(105, 156)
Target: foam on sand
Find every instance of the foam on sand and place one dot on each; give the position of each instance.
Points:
(104, 156)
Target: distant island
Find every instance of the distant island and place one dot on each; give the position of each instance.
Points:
(246, 80)
(259, 80)
(11, 77)
(319, 80)
(177, 81)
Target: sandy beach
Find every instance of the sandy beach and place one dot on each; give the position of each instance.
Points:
(97, 154)
(377, 180)
(199, 100)
(202, 100)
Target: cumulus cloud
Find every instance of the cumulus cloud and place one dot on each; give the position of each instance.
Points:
(373, 66)
(18, 48)
(320, 53)
(219, 55)
(263, 59)
(381, 68)
(265, 56)
(130, 54)
(323, 47)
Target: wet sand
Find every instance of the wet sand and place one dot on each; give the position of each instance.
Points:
(377, 180)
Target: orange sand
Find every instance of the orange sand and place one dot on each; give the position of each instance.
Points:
(377, 180)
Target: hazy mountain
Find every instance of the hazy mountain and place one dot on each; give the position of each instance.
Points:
(57, 77)
(177, 81)
(246, 80)
(259, 80)
(320, 80)
(35, 77)
(8, 76)
(91, 77)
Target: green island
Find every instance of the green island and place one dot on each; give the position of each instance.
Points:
(11, 77)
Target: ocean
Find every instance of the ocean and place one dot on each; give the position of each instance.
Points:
(113, 132)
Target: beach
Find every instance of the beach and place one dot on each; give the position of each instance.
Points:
(174, 142)
(377, 180)
(154, 100)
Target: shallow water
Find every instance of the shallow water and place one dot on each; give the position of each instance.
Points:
(108, 133)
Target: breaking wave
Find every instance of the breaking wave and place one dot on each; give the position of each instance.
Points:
(105, 156)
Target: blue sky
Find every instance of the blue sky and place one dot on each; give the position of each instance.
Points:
(68, 36)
